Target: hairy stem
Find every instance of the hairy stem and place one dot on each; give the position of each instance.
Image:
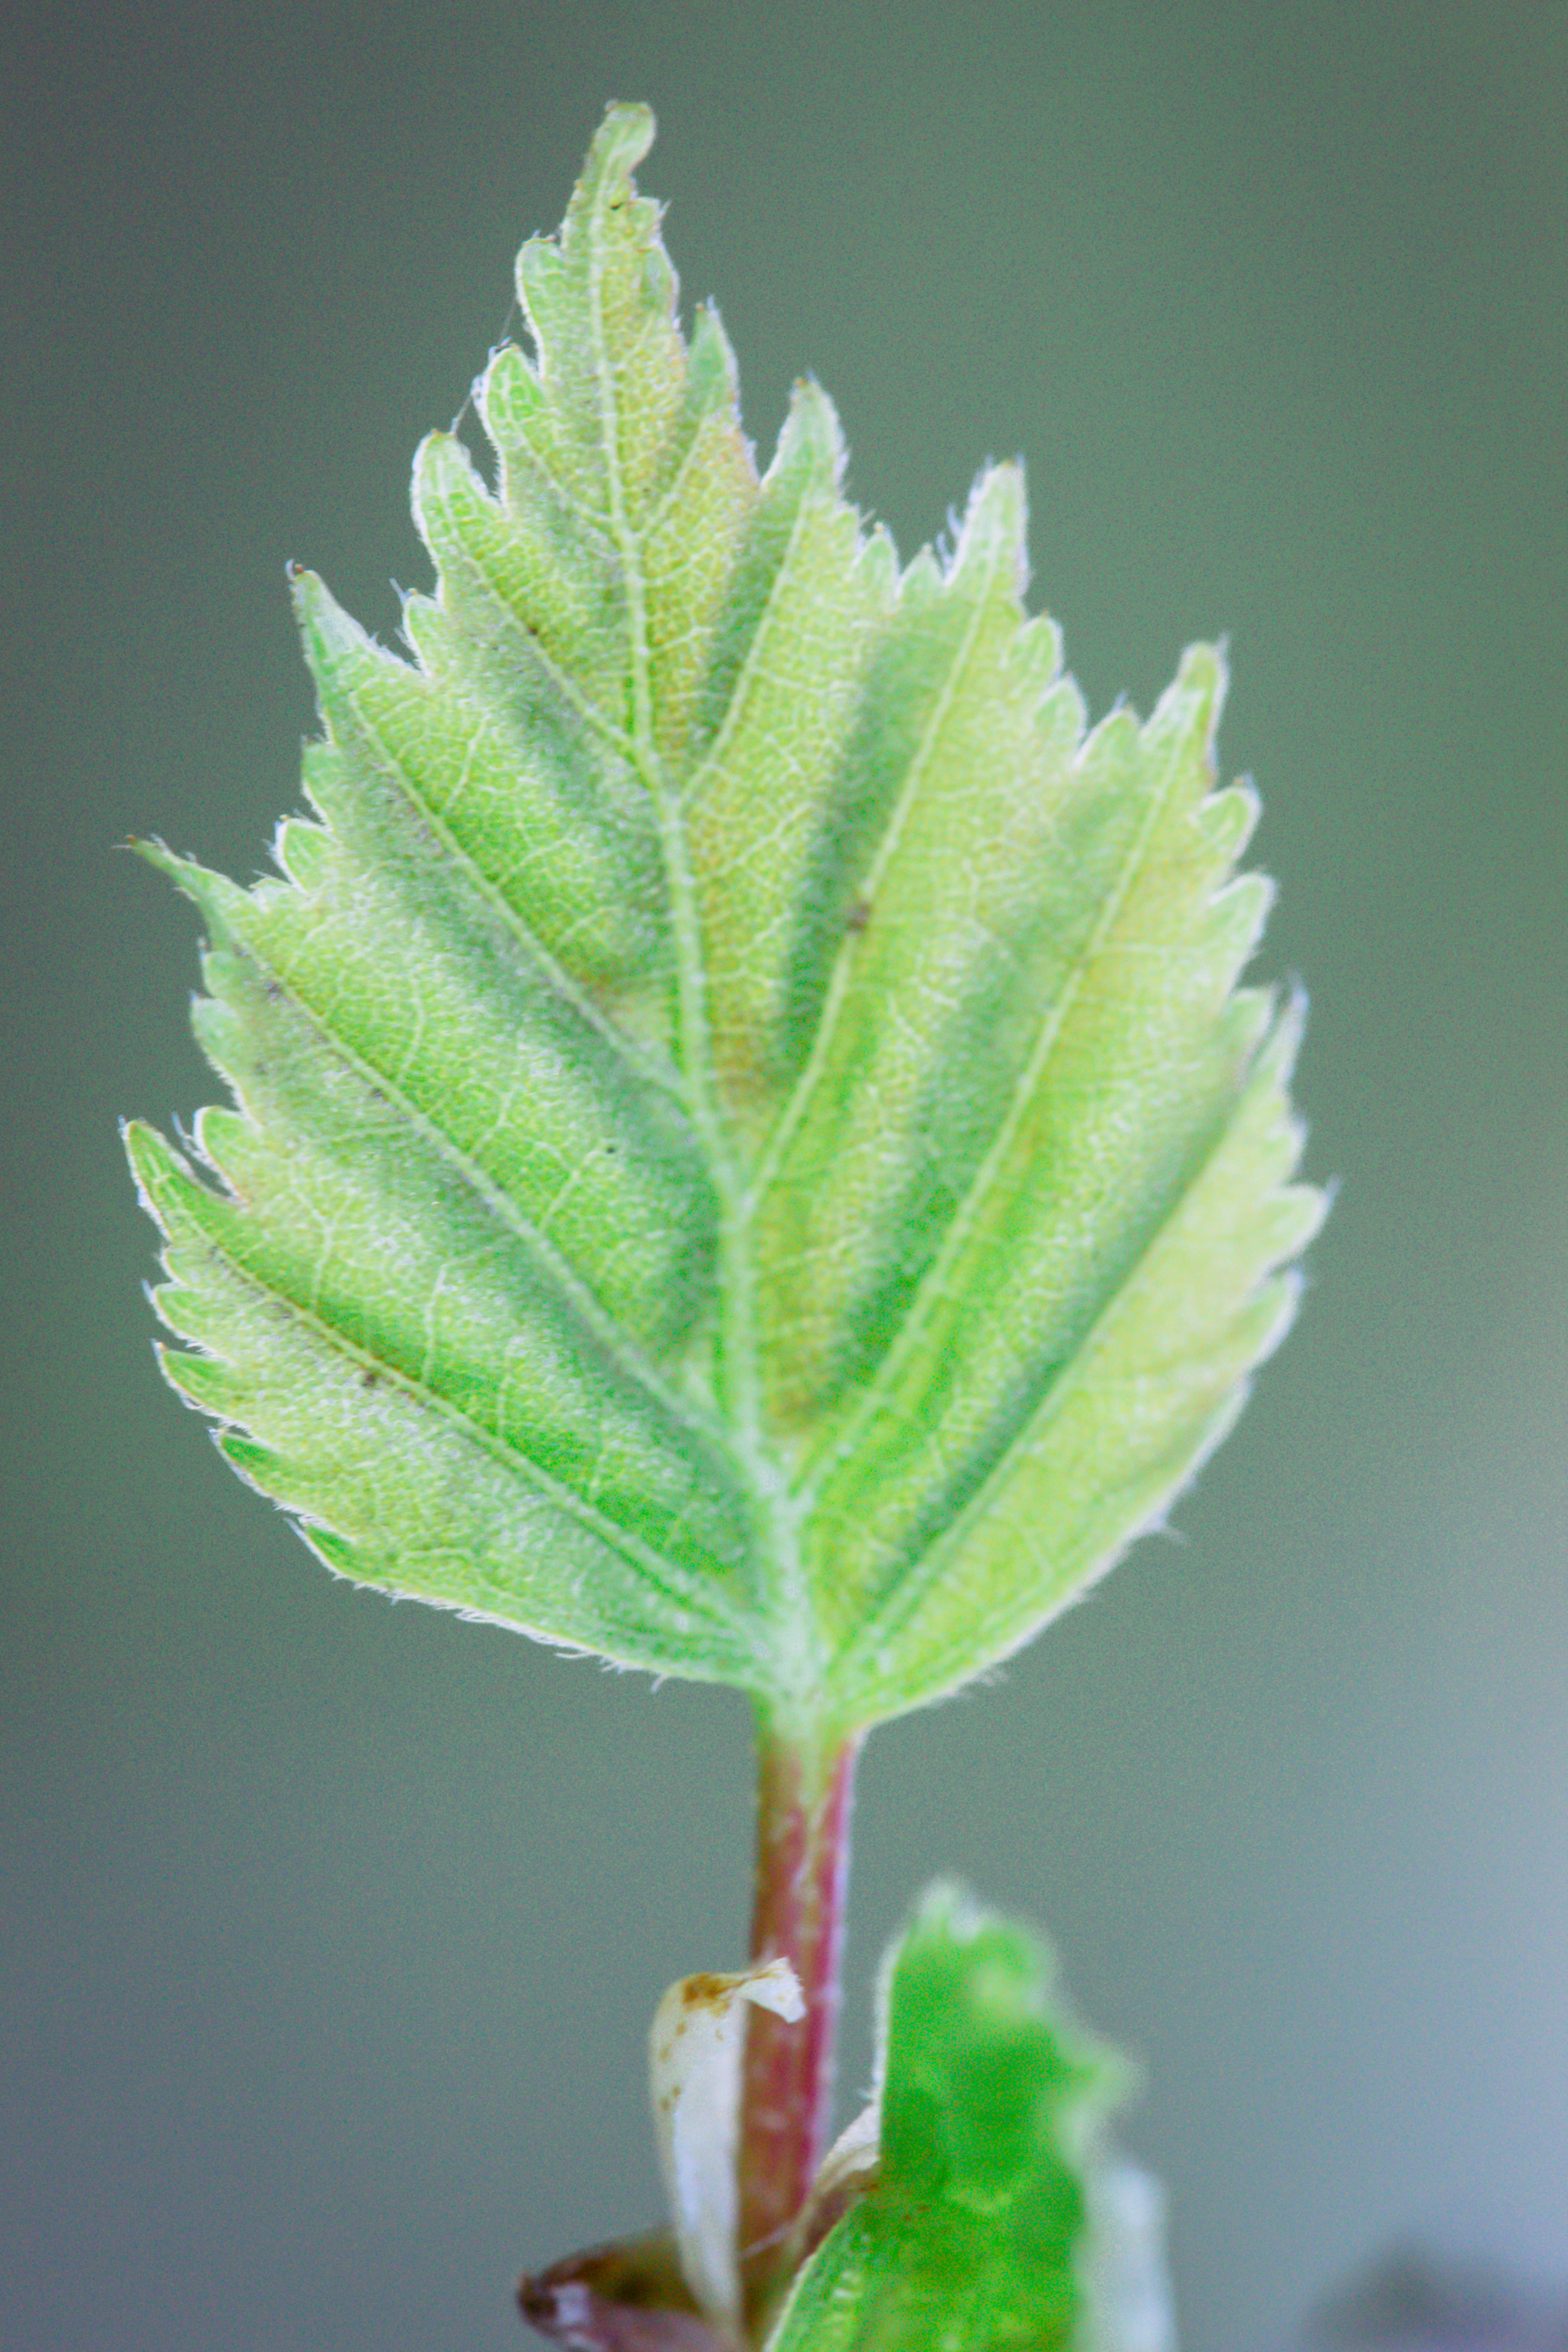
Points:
(804, 1789)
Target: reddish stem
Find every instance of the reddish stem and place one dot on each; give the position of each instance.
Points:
(804, 1787)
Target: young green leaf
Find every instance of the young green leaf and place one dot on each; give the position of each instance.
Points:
(999, 2218)
(750, 1154)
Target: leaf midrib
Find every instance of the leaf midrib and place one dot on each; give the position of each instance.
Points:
(799, 1652)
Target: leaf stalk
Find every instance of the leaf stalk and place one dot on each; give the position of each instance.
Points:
(805, 1779)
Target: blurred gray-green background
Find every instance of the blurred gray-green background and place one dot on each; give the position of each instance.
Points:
(334, 1928)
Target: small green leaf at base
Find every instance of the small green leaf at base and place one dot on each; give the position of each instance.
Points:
(1000, 2217)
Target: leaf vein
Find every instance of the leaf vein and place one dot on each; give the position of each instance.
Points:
(647, 1564)
(518, 930)
(934, 1285)
(611, 1335)
(917, 1577)
(813, 1069)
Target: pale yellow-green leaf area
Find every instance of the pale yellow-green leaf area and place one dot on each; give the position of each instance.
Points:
(751, 1153)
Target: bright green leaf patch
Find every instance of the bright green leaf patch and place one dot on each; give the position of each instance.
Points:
(751, 1156)
(997, 2218)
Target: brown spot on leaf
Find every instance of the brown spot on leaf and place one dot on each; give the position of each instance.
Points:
(707, 1992)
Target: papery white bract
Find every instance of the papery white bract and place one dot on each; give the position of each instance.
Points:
(696, 2049)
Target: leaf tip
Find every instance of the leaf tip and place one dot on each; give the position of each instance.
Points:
(444, 475)
(996, 525)
(308, 595)
(327, 633)
(158, 855)
(624, 137)
(622, 140)
(147, 1152)
(1203, 675)
(195, 882)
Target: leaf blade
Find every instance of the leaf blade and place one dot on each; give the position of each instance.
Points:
(726, 1040)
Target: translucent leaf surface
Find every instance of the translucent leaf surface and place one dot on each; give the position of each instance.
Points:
(750, 1154)
(1000, 2219)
